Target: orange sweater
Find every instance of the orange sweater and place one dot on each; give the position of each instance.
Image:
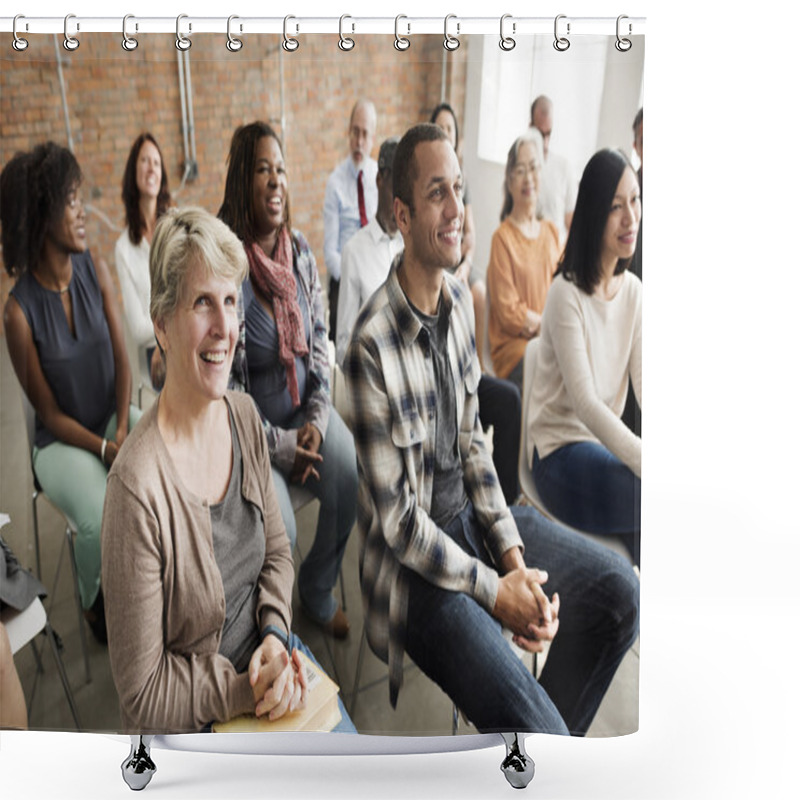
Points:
(519, 274)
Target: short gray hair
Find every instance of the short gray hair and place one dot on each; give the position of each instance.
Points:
(532, 137)
(180, 237)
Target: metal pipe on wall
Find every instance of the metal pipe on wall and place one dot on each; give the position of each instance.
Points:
(190, 111)
(64, 105)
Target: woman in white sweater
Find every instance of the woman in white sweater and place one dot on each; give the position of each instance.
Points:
(587, 464)
(145, 193)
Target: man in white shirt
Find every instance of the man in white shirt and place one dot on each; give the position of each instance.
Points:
(366, 258)
(557, 185)
(351, 197)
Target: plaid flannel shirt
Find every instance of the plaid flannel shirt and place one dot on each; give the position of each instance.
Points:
(392, 388)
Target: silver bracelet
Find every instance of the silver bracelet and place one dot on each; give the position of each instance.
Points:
(103, 450)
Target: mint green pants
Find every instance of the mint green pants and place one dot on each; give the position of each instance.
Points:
(74, 480)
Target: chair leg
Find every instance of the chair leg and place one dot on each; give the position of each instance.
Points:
(36, 534)
(357, 680)
(62, 674)
(341, 588)
(455, 719)
(81, 622)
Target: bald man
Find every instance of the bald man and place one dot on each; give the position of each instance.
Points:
(557, 185)
(351, 197)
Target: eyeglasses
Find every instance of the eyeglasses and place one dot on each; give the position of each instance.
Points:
(522, 170)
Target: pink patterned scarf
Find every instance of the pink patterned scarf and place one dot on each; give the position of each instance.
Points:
(274, 278)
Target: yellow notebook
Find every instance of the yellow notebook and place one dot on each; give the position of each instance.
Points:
(320, 714)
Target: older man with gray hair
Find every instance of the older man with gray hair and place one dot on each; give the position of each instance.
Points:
(351, 198)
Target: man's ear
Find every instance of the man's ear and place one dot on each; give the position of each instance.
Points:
(402, 214)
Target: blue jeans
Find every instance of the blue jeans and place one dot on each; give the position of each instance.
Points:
(587, 487)
(458, 644)
(337, 492)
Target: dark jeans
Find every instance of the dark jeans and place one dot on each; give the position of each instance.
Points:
(587, 487)
(460, 646)
(500, 406)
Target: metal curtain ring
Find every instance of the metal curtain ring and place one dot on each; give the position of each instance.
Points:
(290, 43)
(19, 44)
(561, 43)
(401, 42)
(623, 45)
(451, 42)
(70, 42)
(129, 43)
(181, 41)
(506, 42)
(345, 42)
(233, 44)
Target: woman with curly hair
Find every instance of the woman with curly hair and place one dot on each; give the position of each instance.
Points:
(66, 344)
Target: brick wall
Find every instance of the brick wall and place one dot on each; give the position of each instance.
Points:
(113, 95)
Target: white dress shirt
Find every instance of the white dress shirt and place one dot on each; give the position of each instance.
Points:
(340, 212)
(366, 260)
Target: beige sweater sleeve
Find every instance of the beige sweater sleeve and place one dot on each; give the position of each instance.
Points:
(575, 328)
(160, 690)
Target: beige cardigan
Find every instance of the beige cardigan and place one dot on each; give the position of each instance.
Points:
(164, 600)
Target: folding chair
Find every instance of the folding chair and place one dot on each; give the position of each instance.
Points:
(70, 533)
(22, 626)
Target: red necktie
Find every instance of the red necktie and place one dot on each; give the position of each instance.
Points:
(362, 208)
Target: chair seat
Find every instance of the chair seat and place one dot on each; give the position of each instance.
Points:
(22, 626)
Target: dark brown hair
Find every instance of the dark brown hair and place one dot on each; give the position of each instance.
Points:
(236, 210)
(33, 195)
(130, 191)
(404, 171)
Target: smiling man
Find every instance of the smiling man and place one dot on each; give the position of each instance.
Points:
(445, 564)
(351, 197)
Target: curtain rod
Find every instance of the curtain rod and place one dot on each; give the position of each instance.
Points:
(295, 26)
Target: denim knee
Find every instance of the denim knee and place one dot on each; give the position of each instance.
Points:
(623, 585)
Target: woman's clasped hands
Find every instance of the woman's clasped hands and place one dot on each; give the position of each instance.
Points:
(278, 680)
(307, 454)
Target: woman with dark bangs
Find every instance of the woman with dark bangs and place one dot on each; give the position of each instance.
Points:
(66, 344)
(587, 464)
(145, 193)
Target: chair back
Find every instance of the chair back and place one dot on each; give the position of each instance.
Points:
(526, 481)
(22, 626)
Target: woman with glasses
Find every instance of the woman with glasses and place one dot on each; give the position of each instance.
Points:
(523, 259)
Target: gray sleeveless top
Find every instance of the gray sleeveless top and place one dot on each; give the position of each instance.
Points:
(79, 369)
